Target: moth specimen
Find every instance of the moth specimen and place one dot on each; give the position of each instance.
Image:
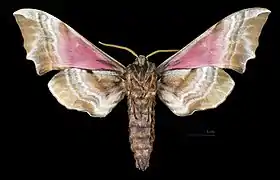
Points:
(91, 81)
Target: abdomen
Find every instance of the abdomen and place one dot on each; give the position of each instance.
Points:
(141, 129)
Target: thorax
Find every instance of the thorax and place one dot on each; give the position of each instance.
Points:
(141, 81)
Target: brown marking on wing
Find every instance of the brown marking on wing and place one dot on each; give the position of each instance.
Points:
(228, 44)
(53, 45)
(187, 91)
(96, 92)
(39, 47)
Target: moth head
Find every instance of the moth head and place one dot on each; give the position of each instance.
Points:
(140, 60)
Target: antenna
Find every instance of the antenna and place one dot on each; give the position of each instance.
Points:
(160, 51)
(119, 47)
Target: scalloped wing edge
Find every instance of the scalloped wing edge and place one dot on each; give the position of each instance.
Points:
(25, 12)
(160, 68)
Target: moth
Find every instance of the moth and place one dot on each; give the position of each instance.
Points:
(89, 80)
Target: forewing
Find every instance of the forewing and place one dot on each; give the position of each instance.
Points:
(188, 90)
(94, 92)
(53, 45)
(230, 43)
(89, 80)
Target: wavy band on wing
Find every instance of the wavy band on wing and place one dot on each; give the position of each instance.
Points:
(230, 43)
(53, 45)
(187, 91)
(94, 92)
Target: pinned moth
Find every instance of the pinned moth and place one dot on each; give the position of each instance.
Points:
(91, 81)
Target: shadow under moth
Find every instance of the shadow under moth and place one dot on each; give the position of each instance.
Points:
(91, 81)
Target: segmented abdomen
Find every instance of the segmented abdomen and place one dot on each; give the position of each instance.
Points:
(141, 129)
